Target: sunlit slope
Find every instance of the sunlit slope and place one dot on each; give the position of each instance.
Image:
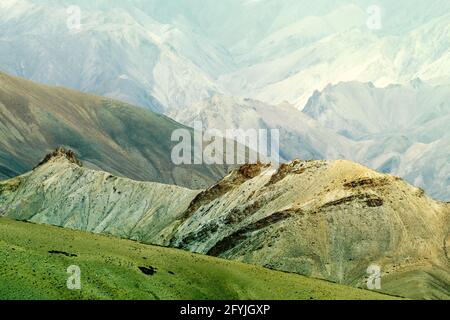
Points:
(62, 193)
(327, 220)
(110, 270)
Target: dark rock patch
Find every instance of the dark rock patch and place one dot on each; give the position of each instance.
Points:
(197, 236)
(63, 253)
(60, 151)
(365, 182)
(149, 271)
(369, 200)
(236, 178)
(232, 240)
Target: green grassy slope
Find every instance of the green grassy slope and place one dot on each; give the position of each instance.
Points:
(110, 270)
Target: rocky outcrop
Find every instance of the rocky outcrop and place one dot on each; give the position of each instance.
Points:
(329, 220)
(61, 152)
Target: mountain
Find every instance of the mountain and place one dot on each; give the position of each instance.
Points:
(97, 201)
(399, 129)
(120, 52)
(300, 136)
(106, 134)
(120, 269)
(308, 47)
(328, 220)
(171, 54)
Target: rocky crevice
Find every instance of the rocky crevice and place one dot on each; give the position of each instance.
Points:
(232, 240)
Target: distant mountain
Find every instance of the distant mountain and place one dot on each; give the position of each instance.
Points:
(300, 136)
(400, 129)
(329, 220)
(171, 54)
(305, 47)
(106, 134)
(120, 52)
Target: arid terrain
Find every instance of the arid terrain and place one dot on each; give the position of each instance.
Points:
(327, 220)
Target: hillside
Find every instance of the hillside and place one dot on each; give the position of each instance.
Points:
(61, 192)
(328, 220)
(399, 129)
(300, 136)
(106, 134)
(35, 258)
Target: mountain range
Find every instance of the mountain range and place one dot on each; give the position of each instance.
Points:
(399, 129)
(92, 92)
(107, 134)
(328, 220)
(187, 58)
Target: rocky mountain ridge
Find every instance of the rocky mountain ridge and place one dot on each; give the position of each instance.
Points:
(329, 220)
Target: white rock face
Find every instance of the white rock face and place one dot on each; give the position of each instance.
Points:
(64, 194)
(323, 219)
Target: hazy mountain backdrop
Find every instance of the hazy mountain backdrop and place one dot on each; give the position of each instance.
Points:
(374, 79)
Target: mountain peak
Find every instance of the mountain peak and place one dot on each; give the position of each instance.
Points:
(339, 212)
(61, 152)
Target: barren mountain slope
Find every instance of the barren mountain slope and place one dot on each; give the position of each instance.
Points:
(60, 192)
(106, 134)
(328, 220)
(183, 51)
(325, 219)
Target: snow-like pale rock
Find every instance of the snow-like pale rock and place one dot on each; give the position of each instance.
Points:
(170, 56)
(176, 53)
(325, 219)
(62, 193)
